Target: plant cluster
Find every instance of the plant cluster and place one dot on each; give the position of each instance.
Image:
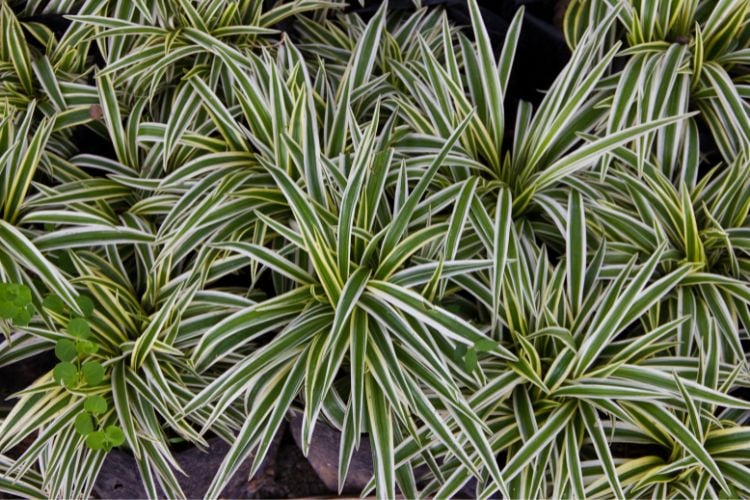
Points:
(292, 209)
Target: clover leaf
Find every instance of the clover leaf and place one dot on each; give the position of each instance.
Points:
(23, 295)
(15, 303)
(85, 347)
(7, 309)
(54, 304)
(115, 435)
(93, 372)
(79, 327)
(7, 292)
(96, 405)
(65, 350)
(84, 424)
(65, 374)
(107, 439)
(23, 316)
(96, 440)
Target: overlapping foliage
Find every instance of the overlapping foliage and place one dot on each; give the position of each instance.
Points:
(305, 211)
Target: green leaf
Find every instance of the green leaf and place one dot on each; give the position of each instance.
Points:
(113, 119)
(470, 360)
(575, 250)
(65, 350)
(96, 440)
(505, 62)
(23, 296)
(8, 291)
(598, 438)
(485, 345)
(84, 425)
(65, 374)
(271, 259)
(572, 458)
(8, 310)
(490, 77)
(16, 45)
(381, 431)
(121, 400)
(501, 240)
(46, 75)
(22, 317)
(115, 436)
(86, 347)
(79, 328)
(15, 303)
(54, 304)
(96, 405)
(363, 57)
(93, 372)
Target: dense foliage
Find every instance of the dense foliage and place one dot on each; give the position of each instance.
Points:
(289, 208)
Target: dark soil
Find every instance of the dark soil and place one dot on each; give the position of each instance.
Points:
(19, 376)
(289, 475)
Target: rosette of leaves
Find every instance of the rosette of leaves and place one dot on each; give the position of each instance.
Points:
(704, 42)
(598, 374)
(49, 70)
(118, 381)
(550, 147)
(664, 189)
(707, 226)
(23, 142)
(344, 220)
(148, 46)
(357, 251)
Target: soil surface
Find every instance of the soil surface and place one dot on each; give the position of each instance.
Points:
(289, 475)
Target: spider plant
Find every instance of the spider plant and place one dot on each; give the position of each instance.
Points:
(706, 43)
(344, 296)
(591, 376)
(300, 210)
